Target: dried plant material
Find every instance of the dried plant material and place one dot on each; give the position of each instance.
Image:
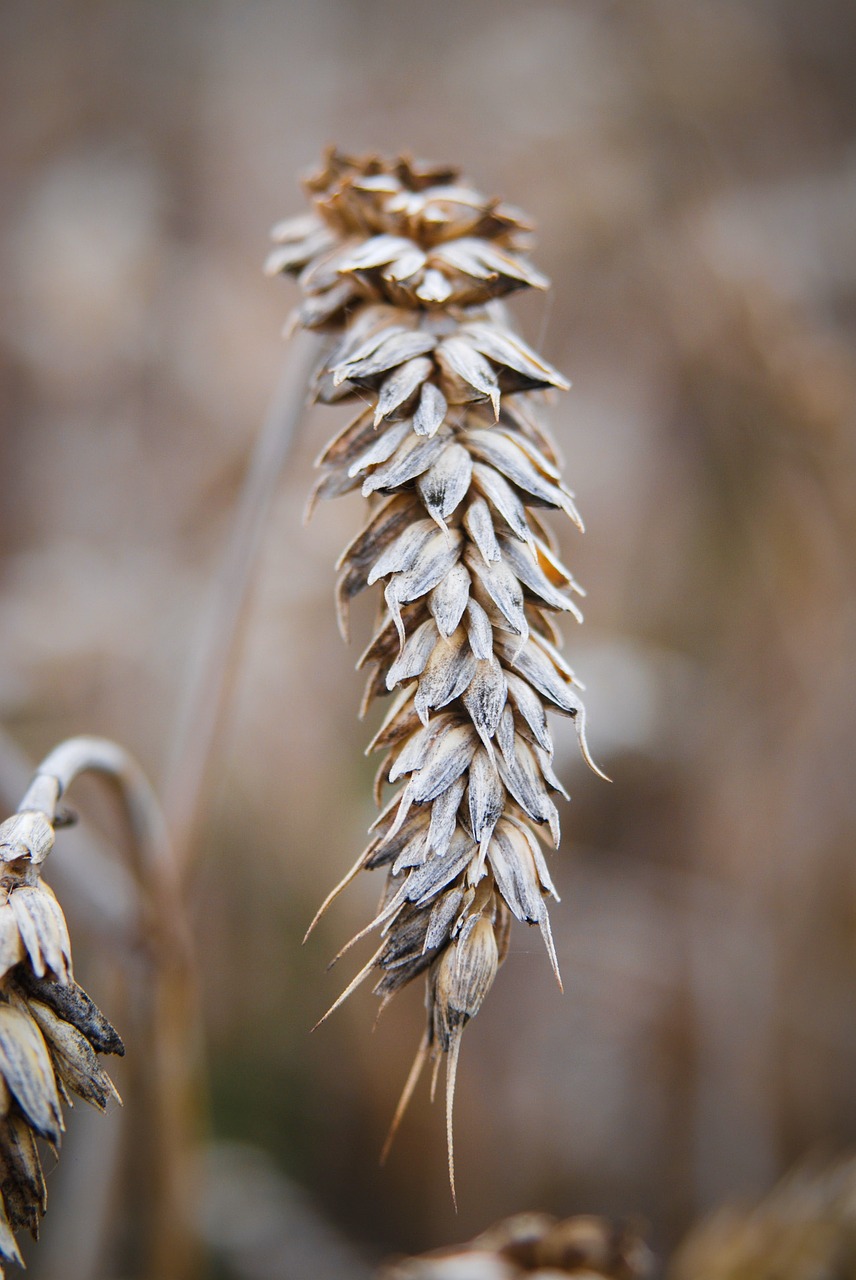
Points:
(805, 1229)
(50, 1030)
(538, 1246)
(404, 267)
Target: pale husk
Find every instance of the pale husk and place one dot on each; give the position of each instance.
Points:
(50, 1031)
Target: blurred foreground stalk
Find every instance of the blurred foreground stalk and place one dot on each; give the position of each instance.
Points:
(535, 1246)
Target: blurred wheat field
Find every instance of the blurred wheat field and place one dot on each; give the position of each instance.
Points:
(692, 170)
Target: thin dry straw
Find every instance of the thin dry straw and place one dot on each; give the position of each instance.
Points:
(213, 662)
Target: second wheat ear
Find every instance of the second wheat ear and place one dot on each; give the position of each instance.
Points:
(404, 266)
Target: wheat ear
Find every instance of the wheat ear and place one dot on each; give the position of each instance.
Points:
(51, 1032)
(404, 266)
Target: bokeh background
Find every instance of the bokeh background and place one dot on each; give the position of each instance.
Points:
(691, 167)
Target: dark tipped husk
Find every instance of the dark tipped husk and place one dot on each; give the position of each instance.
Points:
(51, 1032)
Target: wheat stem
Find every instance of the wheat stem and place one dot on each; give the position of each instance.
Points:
(51, 780)
(213, 662)
(106, 896)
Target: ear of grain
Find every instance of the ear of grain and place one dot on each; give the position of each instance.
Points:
(50, 1031)
(405, 267)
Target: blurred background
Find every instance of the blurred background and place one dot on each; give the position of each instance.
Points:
(691, 168)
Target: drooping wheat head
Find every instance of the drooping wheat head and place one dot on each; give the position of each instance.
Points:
(50, 1030)
(405, 268)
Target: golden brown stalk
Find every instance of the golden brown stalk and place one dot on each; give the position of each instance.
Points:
(536, 1245)
(404, 266)
(806, 1227)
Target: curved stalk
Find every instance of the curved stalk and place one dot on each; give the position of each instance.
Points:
(57, 772)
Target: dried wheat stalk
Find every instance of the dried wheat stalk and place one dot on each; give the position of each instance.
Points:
(405, 267)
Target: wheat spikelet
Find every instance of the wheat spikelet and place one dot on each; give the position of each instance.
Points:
(539, 1247)
(405, 267)
(50, 1030)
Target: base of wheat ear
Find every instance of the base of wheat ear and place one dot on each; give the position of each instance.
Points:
(404, 267)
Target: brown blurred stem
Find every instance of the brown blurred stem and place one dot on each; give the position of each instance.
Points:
(166, 1006)
(213, 663)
